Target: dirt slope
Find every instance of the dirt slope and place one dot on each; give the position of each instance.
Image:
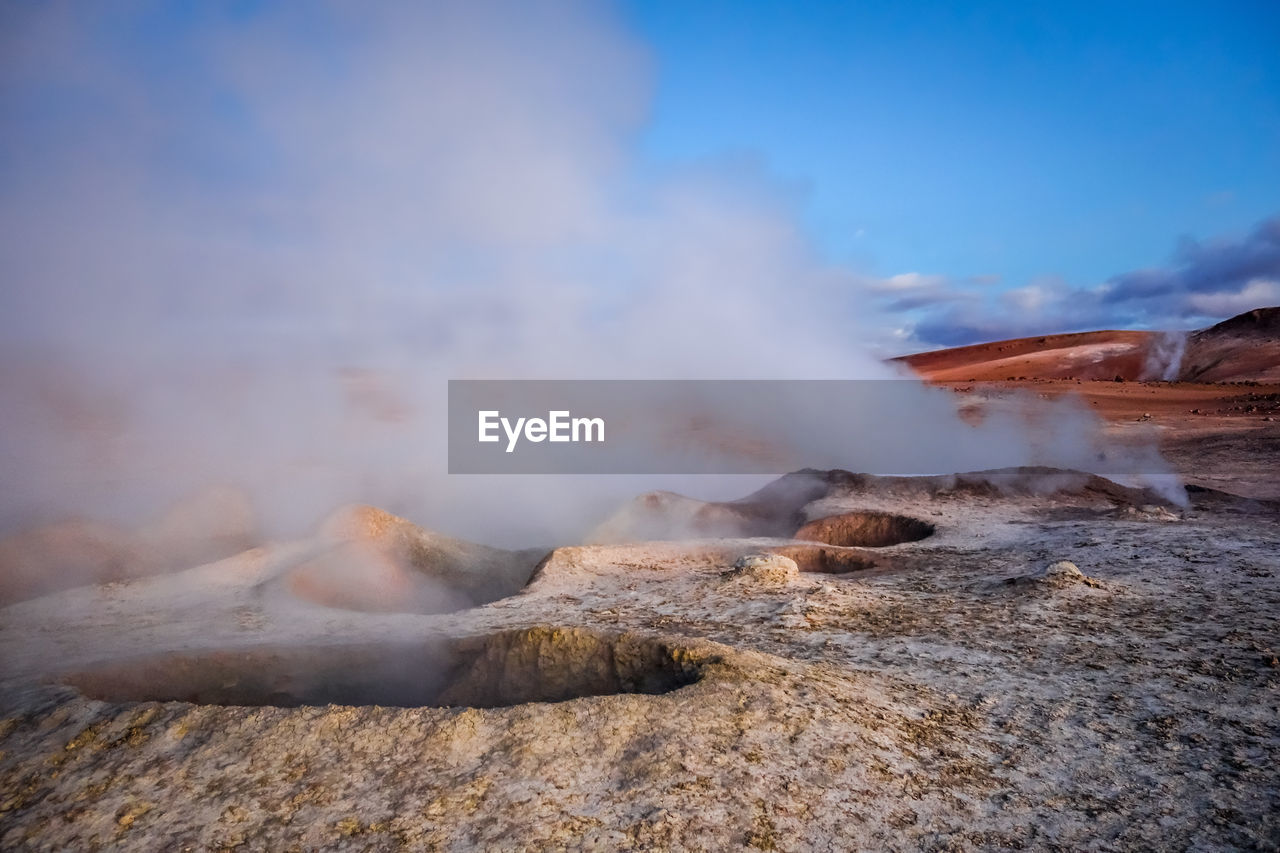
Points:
(1246, 347)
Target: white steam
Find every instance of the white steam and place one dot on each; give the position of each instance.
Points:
(250, 249)
(1164, 357)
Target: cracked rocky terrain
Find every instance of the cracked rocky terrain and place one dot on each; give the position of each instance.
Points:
(919, 670)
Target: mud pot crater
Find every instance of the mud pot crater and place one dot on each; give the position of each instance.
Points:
(865, 529)
(828, 561)
(541, 664)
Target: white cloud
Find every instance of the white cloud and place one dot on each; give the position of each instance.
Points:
(1031, 298)
(910, 281)
(1255, 293)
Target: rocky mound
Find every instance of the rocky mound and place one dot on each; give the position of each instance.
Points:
(1063, 574)
(375, 561)
(769, 568)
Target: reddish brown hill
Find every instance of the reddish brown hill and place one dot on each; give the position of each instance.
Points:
(1246, 347)
(1086, 355)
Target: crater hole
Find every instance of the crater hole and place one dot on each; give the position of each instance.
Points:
(865, 529)
(829, 561)
(542, 664)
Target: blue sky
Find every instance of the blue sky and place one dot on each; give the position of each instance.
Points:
(1034, 145)
(940, 173)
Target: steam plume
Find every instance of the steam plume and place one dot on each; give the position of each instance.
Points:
(251, 250)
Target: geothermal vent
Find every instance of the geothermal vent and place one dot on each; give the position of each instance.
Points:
(542, 664)
(830, 561)
(867, 529)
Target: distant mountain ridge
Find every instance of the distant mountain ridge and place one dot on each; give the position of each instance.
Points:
(1259, 321)
(1243, 348)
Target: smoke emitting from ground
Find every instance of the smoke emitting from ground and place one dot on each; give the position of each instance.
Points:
(254, 254)
(1164, 360)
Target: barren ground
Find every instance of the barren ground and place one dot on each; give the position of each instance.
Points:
(1221, 435)
(904, 664)
(649, 696)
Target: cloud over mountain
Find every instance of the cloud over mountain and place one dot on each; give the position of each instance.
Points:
(1204, 281)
